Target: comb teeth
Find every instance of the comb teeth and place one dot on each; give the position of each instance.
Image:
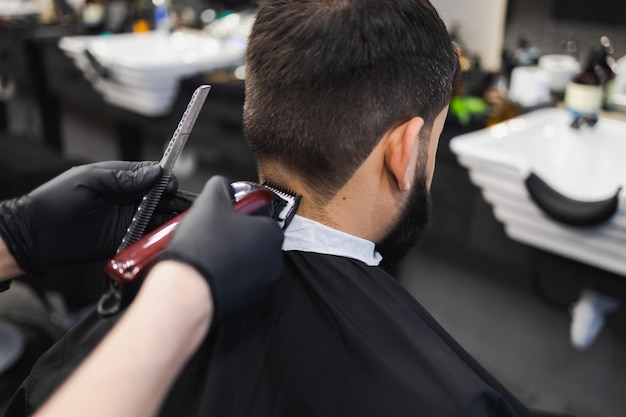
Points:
(144, 213)
(284, 207)
(280, 190)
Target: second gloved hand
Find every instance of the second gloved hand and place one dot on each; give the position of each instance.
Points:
(79, 216)
(240, 256)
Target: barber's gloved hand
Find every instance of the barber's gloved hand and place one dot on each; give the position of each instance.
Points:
(79, 216)
(240, 256)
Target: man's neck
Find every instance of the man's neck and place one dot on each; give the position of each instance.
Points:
(360, 208)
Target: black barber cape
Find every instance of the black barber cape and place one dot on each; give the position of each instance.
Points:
(335, 338)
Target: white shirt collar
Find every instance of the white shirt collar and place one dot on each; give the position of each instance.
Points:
(307, 235)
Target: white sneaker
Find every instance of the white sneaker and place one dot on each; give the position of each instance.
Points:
(588, 317)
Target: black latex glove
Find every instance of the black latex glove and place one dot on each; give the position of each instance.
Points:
(240, 256)
(79, 216)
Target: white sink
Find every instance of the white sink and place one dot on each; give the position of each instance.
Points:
(141, 72)
(586, 166)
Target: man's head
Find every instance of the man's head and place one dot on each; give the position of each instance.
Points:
(328, 80)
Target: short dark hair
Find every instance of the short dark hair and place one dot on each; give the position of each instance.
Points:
(325, 79)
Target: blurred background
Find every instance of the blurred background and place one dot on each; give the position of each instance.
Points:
(91, 80)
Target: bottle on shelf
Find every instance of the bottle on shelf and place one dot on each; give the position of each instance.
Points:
(93, 16)
(161, 15)
(142, 19)
(455, 37)
(501, 107)
(583, 95)
(609, 65)
(570, 47)
(526, 55)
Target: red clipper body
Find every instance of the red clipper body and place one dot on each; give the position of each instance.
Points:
(133, 261)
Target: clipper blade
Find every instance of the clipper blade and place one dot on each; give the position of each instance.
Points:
(285, 205)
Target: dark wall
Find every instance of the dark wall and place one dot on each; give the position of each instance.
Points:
(598, 11)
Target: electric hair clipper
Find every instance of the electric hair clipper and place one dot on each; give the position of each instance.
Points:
(249, 198)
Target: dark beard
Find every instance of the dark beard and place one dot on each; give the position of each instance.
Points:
(408, 229)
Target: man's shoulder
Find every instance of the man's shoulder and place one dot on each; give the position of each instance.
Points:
(337, 276)
(343, 264)
(338, 286)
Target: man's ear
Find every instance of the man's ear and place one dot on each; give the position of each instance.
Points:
(401, 152)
